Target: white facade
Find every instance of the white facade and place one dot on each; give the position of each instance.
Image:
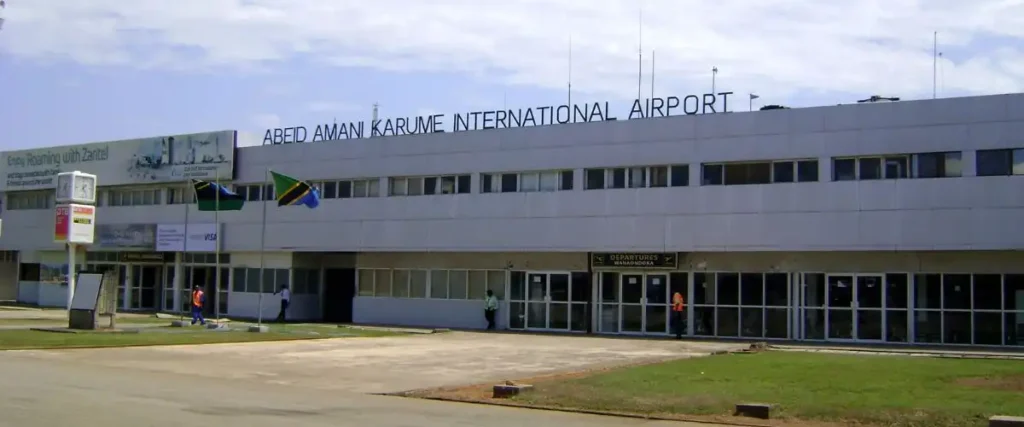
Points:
(873, 224)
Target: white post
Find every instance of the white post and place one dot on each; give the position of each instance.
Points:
(216, 241)
(71, 275)
(263, 237)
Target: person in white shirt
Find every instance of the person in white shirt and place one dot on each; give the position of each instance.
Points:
(286, 297)
(490, 308)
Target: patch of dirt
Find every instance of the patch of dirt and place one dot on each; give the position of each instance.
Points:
(1007, 383)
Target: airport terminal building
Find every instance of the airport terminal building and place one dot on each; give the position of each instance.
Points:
(879, 222)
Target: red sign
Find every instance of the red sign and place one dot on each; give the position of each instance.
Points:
(62, 219)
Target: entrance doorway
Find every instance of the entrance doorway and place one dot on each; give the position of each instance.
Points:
(855, 307)
(554, 301)
(146, 285)
(638, 302)
(339, 289)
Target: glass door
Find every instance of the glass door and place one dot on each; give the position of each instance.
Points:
(644, 303)
(537, 301)
(855, 310)
(840, 307)
(549, 301)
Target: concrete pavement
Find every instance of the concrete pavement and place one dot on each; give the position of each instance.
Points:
(309, 383)
(45, 393)
(387, 365)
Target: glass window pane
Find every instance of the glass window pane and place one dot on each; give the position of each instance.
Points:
(457, 284)
(549, 181)
(464, 184)
(439, 284)
(844, 169)
(509, 183)
(782, 172)
(712, 174)
(400, 284)
(330, 190)
(399, 187)
(345, 188)
(595, 179)
(807, 171)
(618, 176)
(359, 188)
(366, 277)
(496, 283)
(373, 188)
(238, 281)
(478, 284)
(895, 167)
(993, 162)
(418, 283)
(870, 168)
(637, 177)
(566, 180)
(529, 181)
(1018, 162)
(415, 186)
(953, 164)
(680, 175)
(448, 184)
(382, 283)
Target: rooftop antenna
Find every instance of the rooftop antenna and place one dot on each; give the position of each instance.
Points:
(570, 70)
(640, 53)
(935, 64)
(714, 73)
(373, 118)
(652, 75)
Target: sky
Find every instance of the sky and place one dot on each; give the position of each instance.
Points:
(78, 71)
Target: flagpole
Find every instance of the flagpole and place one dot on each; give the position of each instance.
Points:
(216, 250)
(263, 240)
(187, 280)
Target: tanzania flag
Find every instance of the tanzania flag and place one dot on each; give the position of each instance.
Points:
(291, 191)
(211, 196)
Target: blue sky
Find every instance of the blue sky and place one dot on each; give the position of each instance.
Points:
(76, 71)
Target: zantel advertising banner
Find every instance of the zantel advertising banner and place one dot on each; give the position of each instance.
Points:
(136, 161)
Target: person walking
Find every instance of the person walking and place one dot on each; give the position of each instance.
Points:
(678, 307)
(198, 299)
(286, 297)
(490, 308)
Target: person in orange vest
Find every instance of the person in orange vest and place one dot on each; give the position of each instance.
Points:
(678, 305)
(198, 299)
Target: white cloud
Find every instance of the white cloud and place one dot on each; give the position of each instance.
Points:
(774, 47)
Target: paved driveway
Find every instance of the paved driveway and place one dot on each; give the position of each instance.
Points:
(383, 365)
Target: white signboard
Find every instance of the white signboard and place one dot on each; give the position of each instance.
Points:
(136, 161)
(74, 224)
(197, 238)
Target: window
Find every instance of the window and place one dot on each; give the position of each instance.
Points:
(637, 177)
(938, 165)
(437, 284)
(526, 181)
(141, 197)
(430, 185)
(767, 172)
(30, 200)
(248, 280)
(1002, 162)
(896, 166)
(305, 281)
(251, 192)
(353, 188)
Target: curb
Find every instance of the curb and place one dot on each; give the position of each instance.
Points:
(589, 411)
(900, 352)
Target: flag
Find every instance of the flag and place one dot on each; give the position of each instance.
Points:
(291, 191)
(211, 196)
(754, 96)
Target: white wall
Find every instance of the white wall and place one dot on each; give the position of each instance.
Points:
(913, 214)
(438, 313)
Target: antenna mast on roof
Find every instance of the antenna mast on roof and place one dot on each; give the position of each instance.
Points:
(935, 63)
(652, 75)
(640, 53)
(570, 71)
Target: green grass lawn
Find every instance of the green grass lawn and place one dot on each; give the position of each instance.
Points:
(869, 389)
(29, 339)
(36, 322)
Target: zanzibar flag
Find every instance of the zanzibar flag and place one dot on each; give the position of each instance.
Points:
(291, 191)
(211, 196)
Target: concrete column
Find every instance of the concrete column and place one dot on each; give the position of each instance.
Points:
(179, 279)
(128, 278)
